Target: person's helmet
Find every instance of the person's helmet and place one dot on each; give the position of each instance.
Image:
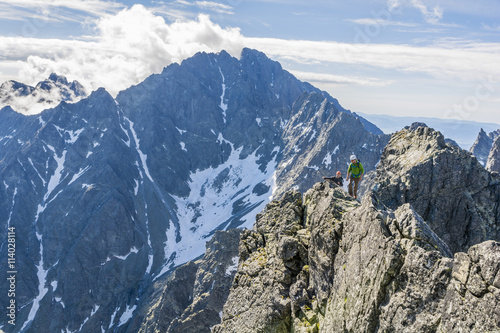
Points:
(353, 157)
(338, 173)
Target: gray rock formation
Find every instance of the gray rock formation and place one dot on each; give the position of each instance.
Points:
(446, 185)
(483, 144)
(493, 162)
(285, 263)
(191, 298)
(392, 274)
(328, 264)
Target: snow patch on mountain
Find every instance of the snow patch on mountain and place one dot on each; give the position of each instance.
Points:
(42, 289)
(329, 157)
(223, 105)
(124, 257)
(230, 269)
(127, 315)
(215, 195)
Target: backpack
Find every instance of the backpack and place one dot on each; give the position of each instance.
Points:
(357, 165)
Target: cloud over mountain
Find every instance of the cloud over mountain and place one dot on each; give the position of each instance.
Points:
(127, 48)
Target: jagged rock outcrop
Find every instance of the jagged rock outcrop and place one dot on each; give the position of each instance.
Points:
(446, 185)
(286, 263)
(493, 162)
(191, 298)
(483, 144)
(379, 270)
(393, 274)
(378, 266)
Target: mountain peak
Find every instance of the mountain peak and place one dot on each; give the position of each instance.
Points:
(58, 78)
(483, 145)
(252, 53)
(442, 182)
(416, 125)
(46, 94)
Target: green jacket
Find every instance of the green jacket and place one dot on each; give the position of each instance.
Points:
(356, 170)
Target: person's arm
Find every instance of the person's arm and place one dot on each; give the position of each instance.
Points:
(362, 170)
(348, 170)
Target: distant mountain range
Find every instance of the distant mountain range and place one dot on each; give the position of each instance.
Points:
(48, 93)
(463, 132)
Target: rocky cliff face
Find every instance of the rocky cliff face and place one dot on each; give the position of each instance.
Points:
(109, 195)
(325, 263)
(191, 298)
(285, 267)
(483, 144)
(493, 163)
(446, 185)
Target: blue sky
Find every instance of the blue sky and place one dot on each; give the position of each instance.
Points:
(401, 57)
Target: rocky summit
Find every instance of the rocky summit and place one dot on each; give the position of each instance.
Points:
(446, 185)
(323, 262)
(483, 147)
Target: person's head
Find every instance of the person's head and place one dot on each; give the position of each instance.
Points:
(338, 174)
(353, 158)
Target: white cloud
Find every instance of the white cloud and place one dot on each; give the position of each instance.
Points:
(491, 27)
(330, 79)
(381, 22)
(183, 10)
(463, 62)
(214, 6)
(134, 43)
(432, 16)
(36, 101)
(55, 9)
(129, 46)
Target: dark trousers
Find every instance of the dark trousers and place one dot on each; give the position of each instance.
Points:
(356, 182)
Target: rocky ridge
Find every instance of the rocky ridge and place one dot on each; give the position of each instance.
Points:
(285, 267)
(325, 263)
(109, 195)
(493, 162)
(483, 145)
(446, 185)
(318, 140)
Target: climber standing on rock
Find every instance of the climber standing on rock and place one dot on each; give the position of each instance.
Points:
(354, 175)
